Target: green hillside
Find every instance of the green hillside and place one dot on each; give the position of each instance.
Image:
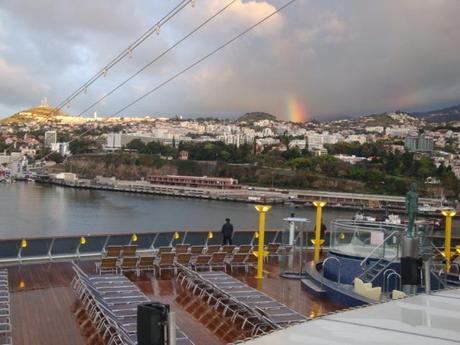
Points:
(33, 114)
(256, 116)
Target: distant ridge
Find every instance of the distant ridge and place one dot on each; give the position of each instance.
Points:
(40, 113)
(256, 116)
(441, 115)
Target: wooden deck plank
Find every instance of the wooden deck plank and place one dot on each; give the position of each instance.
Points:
(42, 303)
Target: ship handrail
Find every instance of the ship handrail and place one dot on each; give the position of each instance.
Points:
(363, 262)
(339, 269)
(385, 278)
(369, 226)
(105, 234)
(437, 249)
(398, 278)
(74, 247)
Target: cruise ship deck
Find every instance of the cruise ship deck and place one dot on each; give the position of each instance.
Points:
(43, 303)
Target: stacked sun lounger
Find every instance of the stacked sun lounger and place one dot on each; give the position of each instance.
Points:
(250, 321)
(5, 321)
(239, 301)
(111, 304)
(277, 312)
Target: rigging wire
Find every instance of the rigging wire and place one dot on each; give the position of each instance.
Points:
(205, 57)
(157, 57)
(126, 52)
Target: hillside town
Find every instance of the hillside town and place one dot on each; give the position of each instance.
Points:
(38, 137)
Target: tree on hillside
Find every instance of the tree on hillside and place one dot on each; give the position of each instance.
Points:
(55, 157)
(80, 146)
(136, 144)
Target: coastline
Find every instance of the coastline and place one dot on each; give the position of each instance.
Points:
(250, 195)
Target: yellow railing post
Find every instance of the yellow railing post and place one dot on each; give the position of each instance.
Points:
(262, 209)
(319, 208)
(447, 243)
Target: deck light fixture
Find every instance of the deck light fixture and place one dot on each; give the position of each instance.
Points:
(210, 235)
(133, 238)
(82, 240)
(313, 241)
(23, 243)
(263, 208)
(176, 235)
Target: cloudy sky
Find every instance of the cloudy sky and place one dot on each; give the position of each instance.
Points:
(318, 58)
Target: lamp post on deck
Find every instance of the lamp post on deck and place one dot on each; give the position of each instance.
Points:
(447, 244)
(319, 211)
(262, 209)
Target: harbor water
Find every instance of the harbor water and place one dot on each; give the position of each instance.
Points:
(38, 210)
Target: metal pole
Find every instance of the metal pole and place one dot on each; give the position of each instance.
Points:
(319, 207)
(262, 209)
(447, 243)
(301, 250)
(291, 233)
(260, 256)
(171, 328)
(291, 244)
(427, 271)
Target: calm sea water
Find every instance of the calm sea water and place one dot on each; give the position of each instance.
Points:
(35, 210)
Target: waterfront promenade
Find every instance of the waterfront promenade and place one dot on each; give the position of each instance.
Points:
(244, 194)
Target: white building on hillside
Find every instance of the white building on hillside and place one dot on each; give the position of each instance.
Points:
(299, 143)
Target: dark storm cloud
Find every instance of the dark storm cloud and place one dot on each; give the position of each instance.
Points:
(336, 57)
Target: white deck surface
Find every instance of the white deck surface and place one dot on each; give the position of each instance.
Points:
(418, 320)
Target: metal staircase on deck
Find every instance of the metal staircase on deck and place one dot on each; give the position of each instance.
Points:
(374, 270)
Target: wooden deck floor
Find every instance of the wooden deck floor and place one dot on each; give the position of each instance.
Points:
(42, 303)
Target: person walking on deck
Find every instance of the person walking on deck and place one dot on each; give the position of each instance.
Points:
(227, 232)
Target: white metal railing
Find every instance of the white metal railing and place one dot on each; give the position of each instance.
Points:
(339, 268)
(381, 245)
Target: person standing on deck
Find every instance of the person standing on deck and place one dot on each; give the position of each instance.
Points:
(227, 232)
(323, 231)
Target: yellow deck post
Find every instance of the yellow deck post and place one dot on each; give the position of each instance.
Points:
(262, 209)
(447, 243)
(319, 211)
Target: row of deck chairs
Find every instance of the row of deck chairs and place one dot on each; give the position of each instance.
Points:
(111, 302)
(5, 310)
(120, 251)
(168, 261)
(228, 294)
(166, 258)
(271, 249)
(130, 250)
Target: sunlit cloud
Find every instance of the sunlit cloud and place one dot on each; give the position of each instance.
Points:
(332, 57)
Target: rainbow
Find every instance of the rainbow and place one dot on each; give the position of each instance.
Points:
(297, 110)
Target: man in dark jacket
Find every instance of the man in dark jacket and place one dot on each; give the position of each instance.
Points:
(227, 232)
(323, 231)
